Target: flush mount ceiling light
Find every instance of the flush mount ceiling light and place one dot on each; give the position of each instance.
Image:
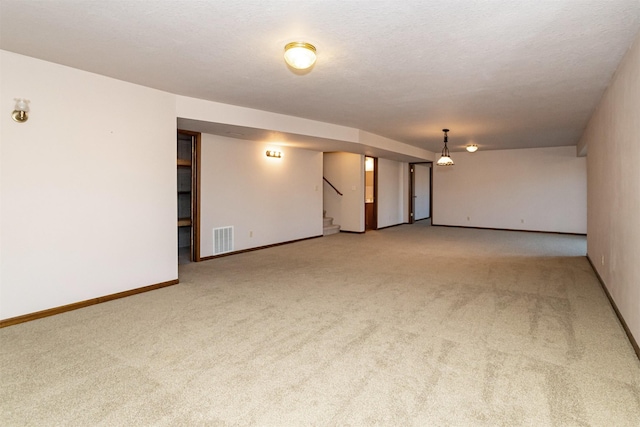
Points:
(472, 148)
(300, 55)
(444, 159)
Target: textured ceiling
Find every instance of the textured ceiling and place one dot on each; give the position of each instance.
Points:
(498, 73)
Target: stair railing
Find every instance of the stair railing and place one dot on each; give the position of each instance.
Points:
(327, 181)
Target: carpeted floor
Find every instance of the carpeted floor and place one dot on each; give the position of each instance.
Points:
(411, 325)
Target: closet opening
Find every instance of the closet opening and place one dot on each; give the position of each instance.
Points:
(188, 179)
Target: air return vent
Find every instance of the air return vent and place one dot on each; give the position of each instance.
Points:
(222, 240)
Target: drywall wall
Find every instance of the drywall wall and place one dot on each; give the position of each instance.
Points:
(267, 200)
(88, 187)
(391, 210)
(422, 190)
(541, 189)
(613, 159)
(346, 172)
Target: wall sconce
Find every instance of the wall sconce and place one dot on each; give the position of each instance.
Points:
(21, 110)
(274, 153)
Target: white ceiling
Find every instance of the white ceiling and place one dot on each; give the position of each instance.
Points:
(498, 73)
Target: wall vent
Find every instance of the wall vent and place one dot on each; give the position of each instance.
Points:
(222, 240)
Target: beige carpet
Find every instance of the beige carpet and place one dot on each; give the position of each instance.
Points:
(408, 326)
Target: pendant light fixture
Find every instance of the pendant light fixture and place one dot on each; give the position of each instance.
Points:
(444, 159)
(300, 55)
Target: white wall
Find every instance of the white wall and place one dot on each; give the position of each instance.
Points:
(422, 190)
(391, 186)
(613, 159)
(346, 172)
(88, 187)
(267, 200)
(541, 189)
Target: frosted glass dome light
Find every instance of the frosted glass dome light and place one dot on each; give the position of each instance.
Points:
(300, 55)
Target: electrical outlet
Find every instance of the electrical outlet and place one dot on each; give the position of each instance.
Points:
(251, 234)
(522, 221)
(468, 219)
(602, 260)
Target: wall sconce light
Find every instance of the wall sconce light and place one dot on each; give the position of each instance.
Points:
(21, 110)
(274, 153)
(472, 148)
(300, 55)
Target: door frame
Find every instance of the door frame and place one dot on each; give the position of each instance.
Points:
(374, 219)
(412, 191)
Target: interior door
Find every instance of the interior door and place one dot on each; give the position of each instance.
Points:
(420, 191)
(422, 187)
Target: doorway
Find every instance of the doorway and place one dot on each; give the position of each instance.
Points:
(188, 186)
(420, 191)
(370, 193)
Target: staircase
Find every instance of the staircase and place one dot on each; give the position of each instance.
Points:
(328, 227)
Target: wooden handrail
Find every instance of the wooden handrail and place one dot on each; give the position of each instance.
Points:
(327, 181)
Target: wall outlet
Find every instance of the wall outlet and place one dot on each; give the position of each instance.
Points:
(251, 234)
(521, 221)
(468, 219)
(602, 260)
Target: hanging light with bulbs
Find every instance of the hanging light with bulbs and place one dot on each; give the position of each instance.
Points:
(444, 159)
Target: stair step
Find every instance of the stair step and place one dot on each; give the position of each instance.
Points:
(330, 229)
(326, 221)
